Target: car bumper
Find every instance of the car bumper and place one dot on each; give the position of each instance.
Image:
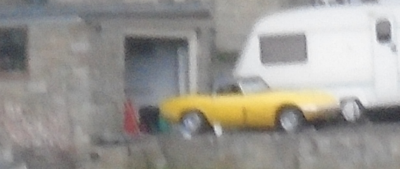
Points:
(312, 113)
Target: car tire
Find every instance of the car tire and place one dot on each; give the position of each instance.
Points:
(193, 122)
(352, 111)
(291, 120)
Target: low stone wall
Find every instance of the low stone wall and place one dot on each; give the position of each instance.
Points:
(359, 147)
(144, 152)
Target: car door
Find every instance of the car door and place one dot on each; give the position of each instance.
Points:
(386, 69)
(228, 110)
(258, 101)
(260, 109)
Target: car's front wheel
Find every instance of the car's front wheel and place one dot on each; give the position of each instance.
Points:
(193, 122)
(291, 119)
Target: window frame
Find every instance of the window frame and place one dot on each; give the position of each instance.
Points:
(18, 74)
(300, 36)
(389, 33)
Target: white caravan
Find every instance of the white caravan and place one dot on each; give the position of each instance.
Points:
(350, 51)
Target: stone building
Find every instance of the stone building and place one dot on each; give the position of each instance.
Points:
(67, 67)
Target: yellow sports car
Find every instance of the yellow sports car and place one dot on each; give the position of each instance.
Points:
(253, 105)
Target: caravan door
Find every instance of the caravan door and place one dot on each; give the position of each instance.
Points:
(386, 75)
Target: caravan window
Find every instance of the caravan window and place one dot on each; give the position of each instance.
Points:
(383, 31)
(283, 49)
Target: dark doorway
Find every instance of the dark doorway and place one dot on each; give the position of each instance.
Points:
(152, 69)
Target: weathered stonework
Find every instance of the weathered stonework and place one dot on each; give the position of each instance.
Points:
(353, 147)
(73, 89)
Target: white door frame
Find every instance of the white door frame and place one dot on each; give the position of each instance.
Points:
(191, 38)
(386, 88)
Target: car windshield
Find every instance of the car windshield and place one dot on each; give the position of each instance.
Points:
(229, 89)
(253, 85)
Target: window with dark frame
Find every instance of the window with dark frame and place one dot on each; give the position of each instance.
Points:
(383, 31)
(283, 49)
(13, 49)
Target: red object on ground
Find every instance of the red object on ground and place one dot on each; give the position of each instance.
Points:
(131, 126)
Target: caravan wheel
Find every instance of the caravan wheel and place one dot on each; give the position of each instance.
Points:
(352, 110)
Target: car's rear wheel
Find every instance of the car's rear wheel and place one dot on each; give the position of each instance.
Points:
(194, 122)
(291, 119)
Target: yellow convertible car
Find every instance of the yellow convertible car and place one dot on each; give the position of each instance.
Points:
(255, 105)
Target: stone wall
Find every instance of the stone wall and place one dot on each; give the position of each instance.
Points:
(96, 2)
(234, 20)
(107, 83)
(362, 147)
(70, 92)
(35, 106)
(222, 67)
(12, 2)
(73, 89)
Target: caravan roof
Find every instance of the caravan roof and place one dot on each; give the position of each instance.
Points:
(322, 18)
